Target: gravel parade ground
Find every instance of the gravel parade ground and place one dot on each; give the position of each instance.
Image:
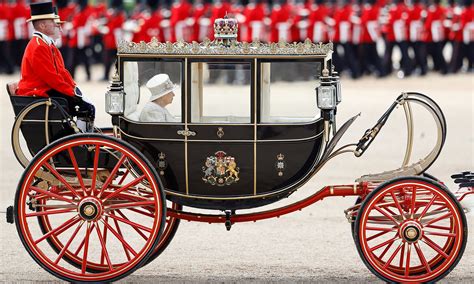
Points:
(311, 246)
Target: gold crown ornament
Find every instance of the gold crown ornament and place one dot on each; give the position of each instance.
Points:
(225, 29)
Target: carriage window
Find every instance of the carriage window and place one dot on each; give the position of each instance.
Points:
(143, 103)
(220, 92)
(287, 91)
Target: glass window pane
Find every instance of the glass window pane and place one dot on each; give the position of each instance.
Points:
(288, 91)
(152, 104)
(220, 92)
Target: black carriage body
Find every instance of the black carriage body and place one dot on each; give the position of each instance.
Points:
(272, 159)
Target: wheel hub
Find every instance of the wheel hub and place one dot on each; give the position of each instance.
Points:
(411, 231)
(90, 209)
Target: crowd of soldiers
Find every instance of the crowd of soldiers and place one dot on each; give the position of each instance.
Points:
(429, 36)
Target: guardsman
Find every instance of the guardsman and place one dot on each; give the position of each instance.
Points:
(455, 37)
(343, 37)
(397, 36)
(65, 12)
(254, 14)
(435, 35)
(280, 26)
(369, 56)
(151, 28)
(319, 21)
(219, 9)
(236, 12)
(416, 16)
(115, 20)
(80, 38)
(202, 23)
(43, 73)
(5, 38)
(463, 38)
(20, 30)
(180, 11)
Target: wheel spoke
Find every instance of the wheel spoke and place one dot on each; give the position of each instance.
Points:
(127, 254)
(397, 204)
(421, 256)
(61, 179)
(131, 223)
(125, 187)
(148, 214)
(60, 229)
(439, 227)
(96, 165)
(402, 255)
(449, 235)
(136, 229)
(105, 239)
(68, 242)
(121, 239)
(130, 205)
(76, 169)
(124, 176)
(111, 176)
(86, 248)
(447, 215)
(51, 194)
(50, 212)
(81, 245)
(434, 246)
(104, 248)
(384, 243)
(379, 229)
(386, 250)
(378, 235)
(407, 266)
(427, 207)
(386, 214)
(413, 201)
(393, 256)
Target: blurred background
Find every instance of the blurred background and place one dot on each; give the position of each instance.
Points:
(371, 37)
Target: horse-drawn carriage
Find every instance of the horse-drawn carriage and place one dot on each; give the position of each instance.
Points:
(96, 207)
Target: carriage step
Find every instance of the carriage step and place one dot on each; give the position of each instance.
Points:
(10, 214)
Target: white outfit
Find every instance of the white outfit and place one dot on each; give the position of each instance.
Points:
(153, 112)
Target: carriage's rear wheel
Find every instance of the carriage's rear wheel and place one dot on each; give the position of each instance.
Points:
(81, 226)
(410, 230)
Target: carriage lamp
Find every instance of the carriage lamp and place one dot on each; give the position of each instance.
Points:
(326, 94)
(115, 97)
(336, 82)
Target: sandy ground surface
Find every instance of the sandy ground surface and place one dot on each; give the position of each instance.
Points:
(314, 245)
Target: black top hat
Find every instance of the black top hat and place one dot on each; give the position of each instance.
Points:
(41, 11)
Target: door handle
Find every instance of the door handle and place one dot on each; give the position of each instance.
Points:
(186, 132)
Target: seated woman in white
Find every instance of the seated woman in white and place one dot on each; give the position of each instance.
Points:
(162, 93)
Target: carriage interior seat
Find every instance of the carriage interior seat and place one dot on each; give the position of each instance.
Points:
(132, 91)
(33, 125)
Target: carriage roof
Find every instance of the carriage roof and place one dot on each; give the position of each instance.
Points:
(218, 48)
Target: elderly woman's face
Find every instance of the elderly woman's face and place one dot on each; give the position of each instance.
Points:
(168, 98)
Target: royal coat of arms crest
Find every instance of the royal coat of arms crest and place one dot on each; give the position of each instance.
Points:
(220, 169)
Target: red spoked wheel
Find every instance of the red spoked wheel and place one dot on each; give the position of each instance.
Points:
(169, 232)
(82, 219)
(411, 230)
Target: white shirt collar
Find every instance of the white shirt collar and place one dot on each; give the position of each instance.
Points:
(48, 39)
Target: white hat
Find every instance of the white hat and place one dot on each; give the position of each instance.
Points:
(160, 85)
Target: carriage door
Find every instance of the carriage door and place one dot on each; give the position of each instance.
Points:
(220, 142)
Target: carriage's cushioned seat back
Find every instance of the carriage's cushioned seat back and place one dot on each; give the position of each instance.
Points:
(33, 125)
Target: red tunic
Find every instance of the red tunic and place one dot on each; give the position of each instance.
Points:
(81, 28)
(434, 24)
(254, 15)
(280, 25)
(179, 13)
(318, 30)
(115, 20)
(20, 13)
(150, 28)
(5, 19)
(42, 69)
(201, 23)
(369, 21)
(397, 23)
(415, 22)
(343, 27)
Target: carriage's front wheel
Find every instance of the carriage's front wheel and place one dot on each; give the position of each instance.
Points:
(103, 224)
(411, 230)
